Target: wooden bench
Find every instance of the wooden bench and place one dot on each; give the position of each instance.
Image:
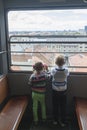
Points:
(12, 112)
(4, 89)
(81, 112)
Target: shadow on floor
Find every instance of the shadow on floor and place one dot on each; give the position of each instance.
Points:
(28, 125)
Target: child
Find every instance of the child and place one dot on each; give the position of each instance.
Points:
(38, 82)
(59, 88)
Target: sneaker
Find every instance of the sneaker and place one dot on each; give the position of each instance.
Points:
(54, 122)
(62, 124)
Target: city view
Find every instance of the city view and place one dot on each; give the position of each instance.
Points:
(30, 44)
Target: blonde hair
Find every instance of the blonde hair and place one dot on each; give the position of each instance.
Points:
(60, 60)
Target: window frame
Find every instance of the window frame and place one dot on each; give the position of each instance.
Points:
(8, 42)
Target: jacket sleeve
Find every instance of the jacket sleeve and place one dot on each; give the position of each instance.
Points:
(30, 81)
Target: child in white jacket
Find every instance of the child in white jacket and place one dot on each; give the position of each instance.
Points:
(59, 88)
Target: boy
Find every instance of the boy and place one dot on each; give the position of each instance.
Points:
(59, 88)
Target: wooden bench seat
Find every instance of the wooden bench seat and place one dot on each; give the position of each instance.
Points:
(13, 110)
(81, 112)
(12, 113)
(4, 89)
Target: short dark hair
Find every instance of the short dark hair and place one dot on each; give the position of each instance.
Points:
(38, 66)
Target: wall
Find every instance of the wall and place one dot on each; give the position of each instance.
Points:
(3, 57)
(44, 3)
(77, 86)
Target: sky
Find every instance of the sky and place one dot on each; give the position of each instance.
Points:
(47, 20)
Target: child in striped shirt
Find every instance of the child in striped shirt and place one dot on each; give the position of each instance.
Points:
(38, 83)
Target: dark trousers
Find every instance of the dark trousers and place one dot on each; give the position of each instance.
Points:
(59, 105)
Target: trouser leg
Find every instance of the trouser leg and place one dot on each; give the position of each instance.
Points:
(55, 105)
(63, 108)
(43, 106)
(35, 106)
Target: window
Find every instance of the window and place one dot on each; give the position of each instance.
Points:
(41, 35)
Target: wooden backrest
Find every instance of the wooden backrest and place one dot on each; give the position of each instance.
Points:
(81, 112)
(3, 88)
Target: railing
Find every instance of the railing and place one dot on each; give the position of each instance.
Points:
(47, 47)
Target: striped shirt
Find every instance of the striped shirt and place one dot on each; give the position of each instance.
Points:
(38, 82)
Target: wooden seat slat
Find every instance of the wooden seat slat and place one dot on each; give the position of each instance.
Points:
(81, 112)
(12, 113)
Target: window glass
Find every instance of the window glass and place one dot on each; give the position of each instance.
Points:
(42, 35)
